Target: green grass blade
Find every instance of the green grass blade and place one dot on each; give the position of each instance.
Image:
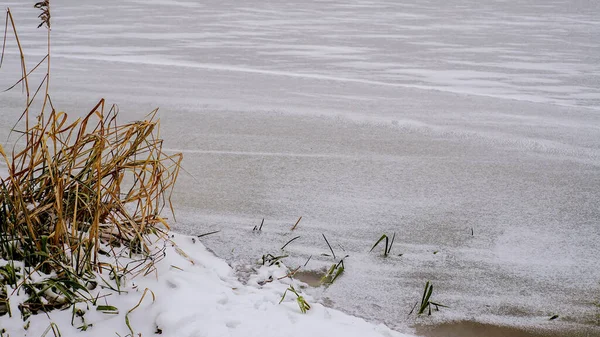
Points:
(391, 243)
(207, 234)
(107, 309)
(378, 241)
(328, 245)
(289, 242)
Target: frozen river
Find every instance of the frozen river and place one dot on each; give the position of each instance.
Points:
(471, 129)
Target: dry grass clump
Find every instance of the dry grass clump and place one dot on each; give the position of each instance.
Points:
(78, 189)
(74, 185)
(80, 186)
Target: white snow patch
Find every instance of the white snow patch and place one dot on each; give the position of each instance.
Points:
(199, 295)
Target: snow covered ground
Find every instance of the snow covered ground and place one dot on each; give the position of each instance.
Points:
(197, 294)
(434, 120)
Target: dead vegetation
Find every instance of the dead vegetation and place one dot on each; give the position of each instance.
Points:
(74, 190)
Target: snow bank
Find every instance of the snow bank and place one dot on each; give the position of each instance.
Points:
(197, 294)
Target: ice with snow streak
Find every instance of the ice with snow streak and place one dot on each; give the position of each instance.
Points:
(537, 51)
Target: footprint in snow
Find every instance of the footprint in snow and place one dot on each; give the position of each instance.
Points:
(232, 324)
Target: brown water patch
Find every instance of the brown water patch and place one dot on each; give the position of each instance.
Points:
(311, 277)
(474, 329)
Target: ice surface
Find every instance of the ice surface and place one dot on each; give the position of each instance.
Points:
(427, 119)
(429, 44)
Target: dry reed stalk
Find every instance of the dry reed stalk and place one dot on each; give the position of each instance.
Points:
(79, 185)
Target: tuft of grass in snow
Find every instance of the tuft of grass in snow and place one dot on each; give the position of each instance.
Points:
(77, 190)
(425, 301)
(257, 228)
(270, 259)
(302, 304)
(333, 272)
(336, 269)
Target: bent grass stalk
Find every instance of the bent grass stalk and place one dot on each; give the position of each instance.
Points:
(302, 304)
(287, 243)
(135, 307)
(54, 328)
(388, 244)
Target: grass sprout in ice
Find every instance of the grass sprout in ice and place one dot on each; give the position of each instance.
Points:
(426, 302)
(388, 244)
